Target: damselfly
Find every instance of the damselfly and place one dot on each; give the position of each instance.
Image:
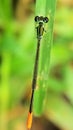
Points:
(40, 20)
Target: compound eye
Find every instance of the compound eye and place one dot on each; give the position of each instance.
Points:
(45, 19)
(37, 18)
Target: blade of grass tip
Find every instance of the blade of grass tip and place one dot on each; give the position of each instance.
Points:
(4, 89)
(40, 92)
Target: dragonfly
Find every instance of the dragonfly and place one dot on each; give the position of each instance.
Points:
(40, 20)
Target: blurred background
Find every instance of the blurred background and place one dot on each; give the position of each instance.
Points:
(17, 53)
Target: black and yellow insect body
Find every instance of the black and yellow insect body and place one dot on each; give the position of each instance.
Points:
(40, 30)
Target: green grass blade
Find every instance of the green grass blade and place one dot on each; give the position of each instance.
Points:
(48, 9)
